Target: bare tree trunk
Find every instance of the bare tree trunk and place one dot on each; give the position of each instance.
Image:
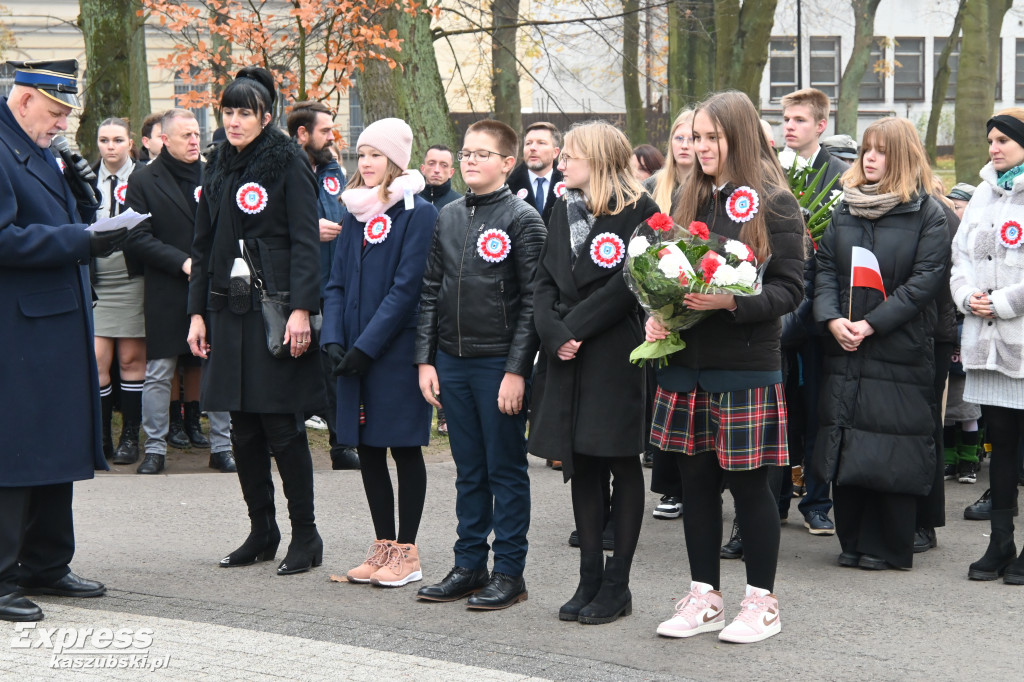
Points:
(636, 123)
(742, 38)
(139, 69)
(107, 28)
(940, 85)
(691, 52)
(505, 78)
(976, 83)
(853, 74)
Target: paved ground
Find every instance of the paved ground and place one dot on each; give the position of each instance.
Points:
(155, 541)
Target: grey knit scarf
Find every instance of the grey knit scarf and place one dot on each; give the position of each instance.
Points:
(580, 220)
(866, 202)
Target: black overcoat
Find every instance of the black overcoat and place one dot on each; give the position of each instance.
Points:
(594, 404)
(282, 235)
(161, 245)
(876, 427)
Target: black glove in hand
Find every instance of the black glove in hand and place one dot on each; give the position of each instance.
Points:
(102, 244)
(335, 353)
(356, 363)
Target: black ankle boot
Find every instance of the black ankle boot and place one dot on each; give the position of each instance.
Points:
(591, 573)
(295, 464)
(614, 599)
(734, 548)
(106, 412)
(305, 551)
(128, 446)
(253, 467)
(1015, 572)
(176, 432)
(261, 545)
(1001, 551)
(192, 427)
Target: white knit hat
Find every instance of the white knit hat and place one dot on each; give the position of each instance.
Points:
(392, 137)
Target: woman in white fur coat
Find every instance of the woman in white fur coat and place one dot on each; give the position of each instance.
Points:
(988, 286)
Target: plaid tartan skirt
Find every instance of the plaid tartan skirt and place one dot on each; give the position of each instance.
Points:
(747, 428)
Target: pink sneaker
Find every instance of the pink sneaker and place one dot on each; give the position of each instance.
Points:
(700, 611)
(376, 557)
(758, 618)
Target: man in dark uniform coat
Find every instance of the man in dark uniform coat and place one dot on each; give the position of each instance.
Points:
(47, 362)
(541, 144)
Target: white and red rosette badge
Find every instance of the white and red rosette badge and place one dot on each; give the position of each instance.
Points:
(742, 204)
(607, 250)
(197, 192)
(523, 193)
(559, 189)
(494, 246)
(377, 228)
(120, 192)
(332, 185)
(60, 164)
(1010, 234)
(251, 198)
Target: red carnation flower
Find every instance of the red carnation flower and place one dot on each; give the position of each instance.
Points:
(660, 222)
(699, 229)
(709, 266)
(750, 254)
(683, 279)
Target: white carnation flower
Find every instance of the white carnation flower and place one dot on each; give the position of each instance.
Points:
(746, 274)
(738, 249)
(725, 276)
(637, 246)
(801, 163)
(671, 265)
(836, 193)
(787, 158)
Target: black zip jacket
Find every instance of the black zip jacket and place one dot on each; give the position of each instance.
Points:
(471, 307)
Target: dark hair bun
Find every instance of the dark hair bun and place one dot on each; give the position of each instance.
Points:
(264, 78)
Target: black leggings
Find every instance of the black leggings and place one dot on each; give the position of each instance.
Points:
(1004, 429)
(589, 505)
(757, 513)
(412, 490)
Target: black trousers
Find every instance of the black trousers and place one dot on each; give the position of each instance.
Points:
(875, 523)
(37, 535)
(931, 508)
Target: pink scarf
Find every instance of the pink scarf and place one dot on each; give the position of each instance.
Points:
(364, 202)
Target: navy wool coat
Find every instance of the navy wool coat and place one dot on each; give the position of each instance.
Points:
(372, 304)
(47, 362)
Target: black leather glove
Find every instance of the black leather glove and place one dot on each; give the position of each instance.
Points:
(335, 353)
(356, 363)
(102, 244)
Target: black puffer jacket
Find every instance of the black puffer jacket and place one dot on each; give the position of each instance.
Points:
(472, 307)
(876, 408)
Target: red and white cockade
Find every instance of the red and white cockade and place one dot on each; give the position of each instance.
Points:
(742, 204)
(120, 192)
(197, 192)
(251, 198)
(377, 228)
(559, 189)
(523, 193)
(494, 246)
(607, 250)
(1010, 234)
(332, 185)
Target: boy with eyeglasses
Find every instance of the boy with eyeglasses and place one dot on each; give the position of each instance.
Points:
(475, 345)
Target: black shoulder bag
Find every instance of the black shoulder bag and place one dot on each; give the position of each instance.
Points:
(276, 309)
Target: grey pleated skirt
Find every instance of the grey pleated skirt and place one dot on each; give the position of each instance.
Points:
(118, 312)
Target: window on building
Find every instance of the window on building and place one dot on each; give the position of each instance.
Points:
(7, 79)
(909, 70)
(872, 83)
(782, 67)
(355, 116)
(825, 70)
(1019, 71)
(202, 115)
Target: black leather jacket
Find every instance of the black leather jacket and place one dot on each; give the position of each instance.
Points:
(471, 307)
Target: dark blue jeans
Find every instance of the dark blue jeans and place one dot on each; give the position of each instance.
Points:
(489, 448)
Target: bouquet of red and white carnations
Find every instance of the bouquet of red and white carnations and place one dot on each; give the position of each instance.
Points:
(665, 261)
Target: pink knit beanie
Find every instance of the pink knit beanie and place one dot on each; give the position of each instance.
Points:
(392, 137)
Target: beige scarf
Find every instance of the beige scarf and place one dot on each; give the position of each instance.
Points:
(865, 201)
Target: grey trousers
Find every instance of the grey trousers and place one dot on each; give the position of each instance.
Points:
(156, 400)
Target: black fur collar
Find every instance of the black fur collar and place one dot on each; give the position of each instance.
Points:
(270, 159)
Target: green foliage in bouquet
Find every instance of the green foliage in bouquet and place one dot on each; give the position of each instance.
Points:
(817, 208)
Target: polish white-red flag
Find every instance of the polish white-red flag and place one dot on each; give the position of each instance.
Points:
(864, 270)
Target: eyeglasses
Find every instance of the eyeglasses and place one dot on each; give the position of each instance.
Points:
(683, 139)
(477, 155)
(566, 158)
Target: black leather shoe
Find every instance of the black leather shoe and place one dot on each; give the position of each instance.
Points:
(345, 459)
(873, 563)
(981, 510)
(734, 548)
(15, 607)
(924, 539)
(223, 461)
(153, 464)
(849, 559)
(460, 582)
(127, 450)
(501, 592)
(607, 538)
(70, 585)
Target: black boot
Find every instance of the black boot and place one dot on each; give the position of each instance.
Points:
(192, 427)
(253, 466)
(106, 412)
(614, 599)
(295, 464)
(176, 433)
(591, 573)
(1015, 572)
(734, 548)
(128, 446)
(1001, 551)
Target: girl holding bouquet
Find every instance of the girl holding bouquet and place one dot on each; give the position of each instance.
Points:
(719, 407)
(877, 425)
(591, 413)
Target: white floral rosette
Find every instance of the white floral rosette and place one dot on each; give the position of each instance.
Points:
(377, 228)
(494, 246)
(251, 198)
(742, 204)
(607, 250)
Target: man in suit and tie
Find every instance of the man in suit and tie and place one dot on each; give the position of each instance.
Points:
(536, 180)
(169, 188)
